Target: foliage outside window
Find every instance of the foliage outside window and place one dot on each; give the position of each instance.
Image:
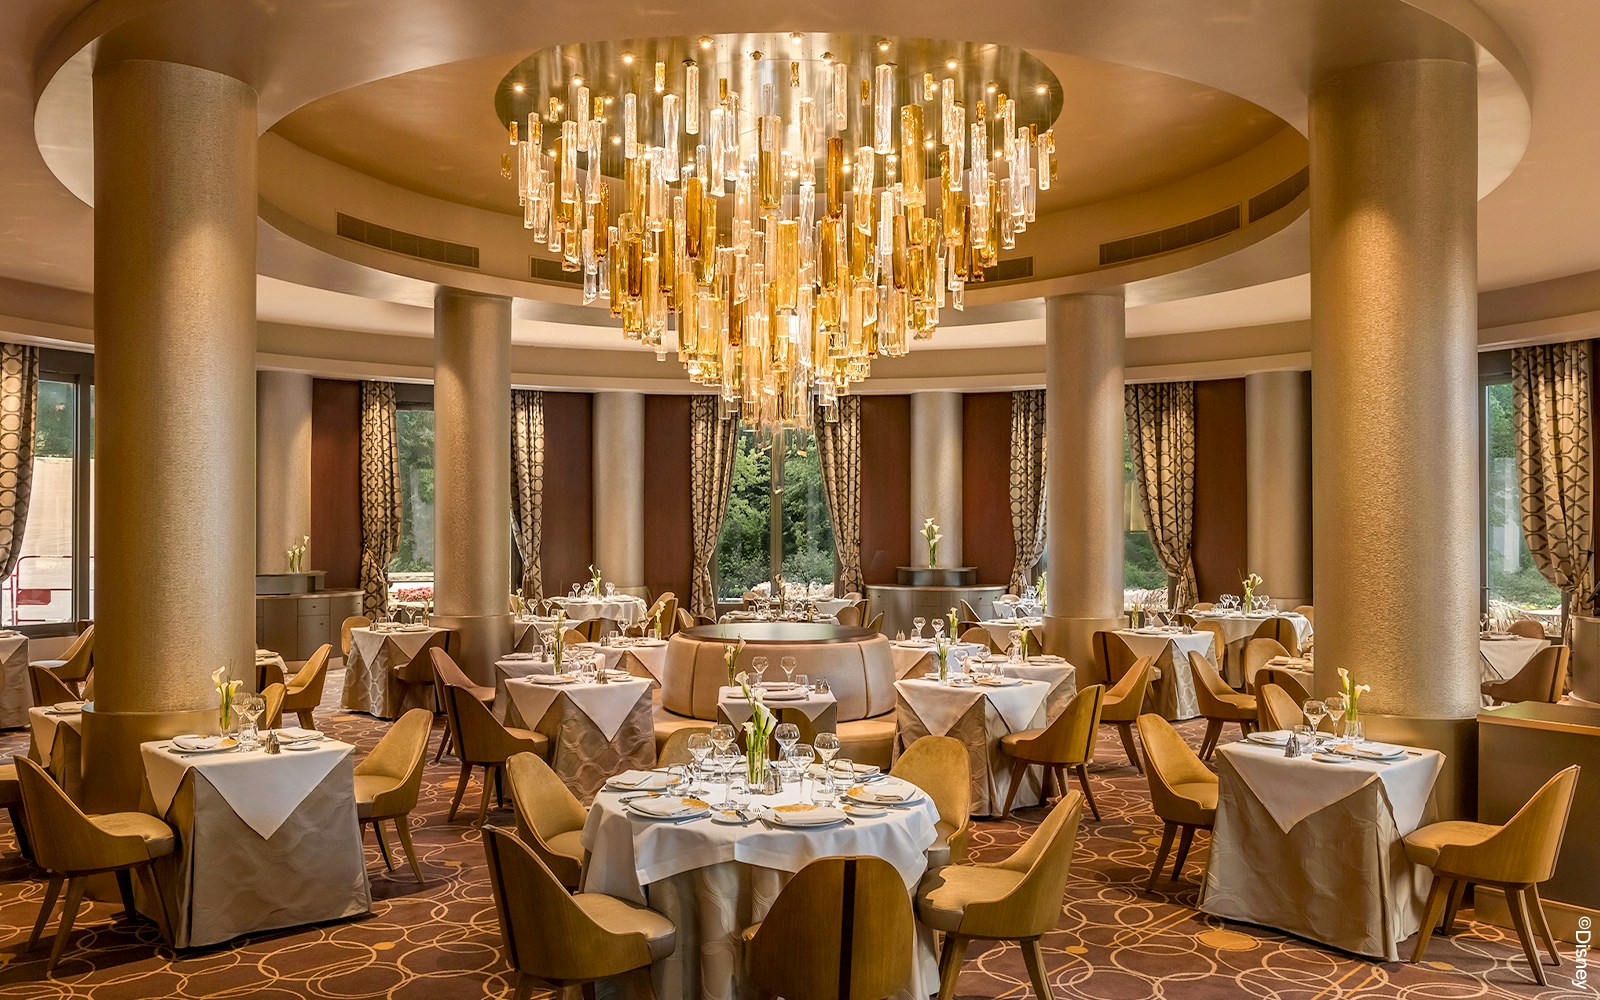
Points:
(40, 590)
(795, 505)
(1141, 570)
(414, 439)
(1512, 576)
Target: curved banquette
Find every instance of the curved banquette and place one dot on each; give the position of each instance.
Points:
(860, 673)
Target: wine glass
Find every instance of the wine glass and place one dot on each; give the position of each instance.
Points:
(788, 664)
(827, 747)
(722, 737)
(249, 707)
(611, 590)
(1314, 711)
(801, 757)
(758, 666)
(919, 623)
(938, 629)
(1336, 705)
(699, 746)
(787, 734)
(575, 589)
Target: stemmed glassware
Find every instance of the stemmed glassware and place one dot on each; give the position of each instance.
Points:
(575, 588)
(801, 757)
(611, 590)
(787, 735)
(827, 747)
(919, 623)
(249, 707)
(938, 629)
(1315, 711)
(758, 666)
(699, 746)
(788, 664)
(1336, 705)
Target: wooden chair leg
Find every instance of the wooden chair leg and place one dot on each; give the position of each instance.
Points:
(444, 745)
(20, 827)
(1457, 890)
(1018, 771)
(1088, 793)
(1035, 962)
(1183, 852)
(377, 831)
(1245, 727)
(75, 887)
(950, 961)
(52, 891)
(1213, 732)
(1437, 897)
(307, 719)
(489, 772)
(403, 829)
(125, 890)
(1125, 730)
(461, 789)
(1167, 834)
(1517, 903)
(152, 888)
(1536, 908)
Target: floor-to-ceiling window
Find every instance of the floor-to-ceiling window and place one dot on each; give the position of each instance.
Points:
(776, 510)
(1141, 570)
(411, 569)
(1510, 577)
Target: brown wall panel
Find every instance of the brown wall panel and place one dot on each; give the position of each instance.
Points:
(336, 480)
(567, 527)
(668, 553)
(885, 486)
(986, 540)
(1220, 508)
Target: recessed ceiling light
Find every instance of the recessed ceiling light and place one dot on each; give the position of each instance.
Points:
(1042, 89)
(705, 41)
(794, 37)
(883, 45)
(627, 58)
(846, 168)
(928, 144)
(827, 57)
(519, 88)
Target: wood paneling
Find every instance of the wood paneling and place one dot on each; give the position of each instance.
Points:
(668, 555)
(567, 526)
(885, 486)
(986, 540)
(1220, 508)
(336, 480)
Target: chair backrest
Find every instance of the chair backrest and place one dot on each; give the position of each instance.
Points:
(676, 749)
(939, 765)
(1282, 631)
(1202, 606)
(850, 615)
(1256, 654)
(1308, 611)
(450, 672)
(685, 619)
(1168, 763)
(400, 757)
(48, 688)
(419, 669)
(1209, 687)
(479, 736)
(546, 933)
(1070, 739)
(981, 636)
(1277, 708)
(308, 681)
(1033, 906)
(1526, 848)
(272, 705)
(78, 660)
(1527, 628)
(354, 621)
(594, 629)
(545, 808)
(668, 623)
(876, 625)
(1125, 701)
(1287, 681)
(62, 837)
(967, 612)
(841, 928)
(1542, 679)
(1112, 657)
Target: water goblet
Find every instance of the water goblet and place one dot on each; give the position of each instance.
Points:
(758, 666)
(738, 791)
(787, 735)
(249, 707)
(801, 757)
(827, 747)
(1336, 705)
(699, 747)
(575, 589)
(919, 623)
(803, 681)
(1315, 711)
(938, 629)
(611, 590)
(788, 664)
(1304, 737)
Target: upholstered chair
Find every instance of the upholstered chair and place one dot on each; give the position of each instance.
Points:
(967, 611)
(1123, 703)
(389, 778)
(685, 619)
(1017, 899)
(11, 801)
(71, 845)
(446, 671)
(1257, 653)
(939, 766)
(978, 635)
(1202, 606)
(353, 622)
(850, 615)
(876, 624)
(676, 749)
(549, 817)
(1308, 611)
(1544, 678)
(803, 951)
(574, 636)
(1514, 857)
(594, 629)
(1287, 681)
(304, 690)
(1219, 703)
(1219, 645)
(1112, 657)
(560, 940)
(1277, 709)
(1527, 628)
(48, 689)
(481, 741)
(1280, 630)
(415, 676)
(1183, 791)
(1066, 742)
(74, 665)
(272, 707)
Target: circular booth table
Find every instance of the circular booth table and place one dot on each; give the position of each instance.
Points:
(855, 661)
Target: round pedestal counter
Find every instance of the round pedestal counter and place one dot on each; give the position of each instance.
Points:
(860, 669)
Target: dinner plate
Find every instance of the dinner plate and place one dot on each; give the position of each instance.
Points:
(639, 781)
(1370, 751)
(1331, 758)
(298, 746)
(1046, 658)
(889, 791)
(198, 743)
(670, 807)
(795, 695)
(520, 656)
(729, 817)
(1269, 738)
(863, 809)
(998, 682)
(804, 815)
(549, 679)
(1497, 637)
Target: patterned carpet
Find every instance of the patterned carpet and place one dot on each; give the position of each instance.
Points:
(440, 941)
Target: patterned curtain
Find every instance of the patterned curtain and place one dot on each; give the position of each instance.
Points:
(1027, 484)
(19, 396)
(711, 446)
(1161, 438)
(380, 494)
(527, 485)
(1550, 417)
(839, 455)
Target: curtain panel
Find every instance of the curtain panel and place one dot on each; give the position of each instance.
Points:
(712, 437)
(1027, 484)
(1551, 409)
(380, 494)
(19, 399)
(527, 485)
(1161, 438)
(838, 430)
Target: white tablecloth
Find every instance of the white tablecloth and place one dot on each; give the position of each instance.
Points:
(1054, 671)
(622, 609)
(651, 654)
(262, 789)
(16, 696)
(1001, 629)
(1502, 658)
(713, 880)
(369, 684)
(43, 723)
(1237, 627)
(1173, 695)
(731, 703)
(939, 706)
(1292, 788)
(606, 705)
(913, 659)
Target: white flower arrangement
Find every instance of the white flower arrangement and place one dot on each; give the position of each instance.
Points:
(297, 554)
(931, 532)
(227, 691)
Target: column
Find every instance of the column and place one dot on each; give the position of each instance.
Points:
(283, 467)
(175, 340)
(936, 474)
(1393, 348)
(472, 475)
(1277, 416)
(1084, 341)
(619, 489)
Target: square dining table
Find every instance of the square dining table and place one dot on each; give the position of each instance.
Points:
(369, 682)
(595, 730)
(1172, 696)
(978, 715)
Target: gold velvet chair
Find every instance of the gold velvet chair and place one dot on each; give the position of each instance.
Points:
(71, 845)
(415, 676)
(876, 625)
(685, 619)
(1277, 709)
(446, 671)
(1257, 653)
(1066, 742)
(676, 749)
(1112, 657)
(1284, 679)
(1219, 703)
(1018, 899)
(389, 779)
(1122, 704)
(1219, 643)
(1544, 678)
(354, 621)
(939, 766)
(561, 940)
(75, 664)
(1202, 606)
(1515, 857)
(48, 689)
(549, 817)
(1183, 791)
(481, 741)
(1308, 611)
(803, 950)
(1281, 631)
(1527, 628)
(271, 707)
(303, 692)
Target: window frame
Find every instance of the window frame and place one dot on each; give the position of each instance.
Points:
(77, 369)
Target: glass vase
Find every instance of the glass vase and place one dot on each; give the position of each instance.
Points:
(760, 775)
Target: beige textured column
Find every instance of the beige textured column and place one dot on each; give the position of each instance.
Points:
(619, 489)
(283, 468)
(936, 474)
(1277, 413)
(175, 337)
(472, 475)
(1394, 334)
(1084, 341)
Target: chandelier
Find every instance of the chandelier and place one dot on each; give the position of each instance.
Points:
(792, 206)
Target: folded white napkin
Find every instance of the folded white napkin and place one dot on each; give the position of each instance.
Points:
(887, 790)
(640, 780)
(296, 733)
(805, 814)
(549, 678)
(197, 742)
(668, 806)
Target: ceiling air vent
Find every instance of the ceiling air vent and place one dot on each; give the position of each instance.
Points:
(549, 271)
(1279, 194)
(410, 244)
(1010, 269)
(1170, 239)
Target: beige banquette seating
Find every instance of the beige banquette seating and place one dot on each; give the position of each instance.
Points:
(861, 675)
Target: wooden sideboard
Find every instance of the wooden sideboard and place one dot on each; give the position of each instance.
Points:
(294, 625)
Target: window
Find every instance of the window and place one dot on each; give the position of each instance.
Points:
(1141, 570)
(413, 559)
(1509, 573)
(775, 504)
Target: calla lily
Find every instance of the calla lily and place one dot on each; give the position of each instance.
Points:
(217, 676)
(1363, 688)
